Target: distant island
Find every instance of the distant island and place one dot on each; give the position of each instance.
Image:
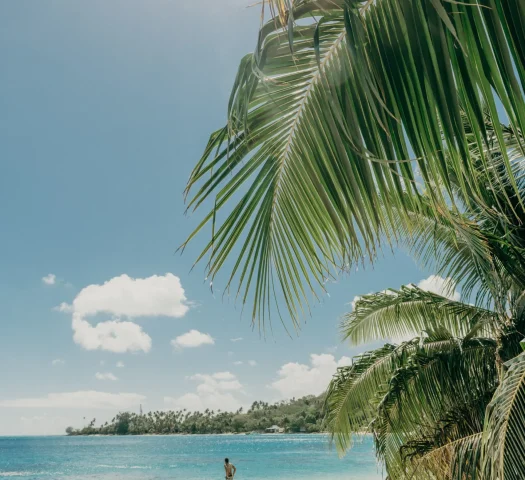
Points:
(304, 415)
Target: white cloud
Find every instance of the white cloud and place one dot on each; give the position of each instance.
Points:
(239, 362)
(239, 339)
(441, 286)
(114, 336)
(120, 365)
(252, 363)
(198, 403)
(221, 381)
(57, 361)
(102, 363)
(192, 339)
(298, 380)
(134, 297)
(105, 376)
(217, 391)
(218, 376)
(64, 308)
(127, 297)
(81, 399)
(49, 279)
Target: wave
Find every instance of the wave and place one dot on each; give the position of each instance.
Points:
(28, 474)
(126, 467)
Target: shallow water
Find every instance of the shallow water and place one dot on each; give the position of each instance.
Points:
(199, 457)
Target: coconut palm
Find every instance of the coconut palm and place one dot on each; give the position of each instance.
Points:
(449, 403)
(346, 106)
(425, 399)
(360, 124)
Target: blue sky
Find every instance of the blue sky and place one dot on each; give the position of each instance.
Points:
(105, 107)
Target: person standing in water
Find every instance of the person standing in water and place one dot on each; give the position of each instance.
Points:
(230, 469)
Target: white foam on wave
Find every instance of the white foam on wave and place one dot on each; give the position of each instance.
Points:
(16, 474)
(27, 474)
(126, 467)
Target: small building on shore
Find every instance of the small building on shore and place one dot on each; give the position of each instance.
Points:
(275, 429)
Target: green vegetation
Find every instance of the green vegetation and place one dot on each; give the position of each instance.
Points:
(372, 124)
(439, 402)
(302, 415)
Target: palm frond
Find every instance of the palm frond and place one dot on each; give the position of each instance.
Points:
(356, 392)
(411, 311)
(322, 123)
(504, 434)
(441, 397)
(453, 244)
(353, 394)
(455, 460)
(351, 401)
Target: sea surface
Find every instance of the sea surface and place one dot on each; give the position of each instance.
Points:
(199, 457)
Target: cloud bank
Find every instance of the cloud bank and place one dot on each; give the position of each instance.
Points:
(81, 399)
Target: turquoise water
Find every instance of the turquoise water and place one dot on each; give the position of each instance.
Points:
(199, 457)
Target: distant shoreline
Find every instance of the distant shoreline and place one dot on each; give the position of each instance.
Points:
(242, 434)
(302, 415)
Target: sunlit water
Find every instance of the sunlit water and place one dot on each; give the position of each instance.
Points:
(199, 457)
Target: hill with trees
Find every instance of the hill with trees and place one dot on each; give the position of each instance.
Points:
(294, 416)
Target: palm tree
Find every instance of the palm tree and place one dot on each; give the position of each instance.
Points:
(356, 125)
(448, 403)
(425, 399)
(346, 106)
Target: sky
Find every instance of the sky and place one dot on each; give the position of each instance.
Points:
(104, 109)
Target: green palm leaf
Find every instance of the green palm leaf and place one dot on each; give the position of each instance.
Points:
(352, 396)
(456, 460)
(409, 312)
(424, 402)
(504, 435)
(321, 128)
(453, 244)
(435, 399)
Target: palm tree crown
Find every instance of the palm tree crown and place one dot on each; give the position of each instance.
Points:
(361, 124)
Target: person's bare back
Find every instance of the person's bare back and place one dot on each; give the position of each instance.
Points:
(230, 469)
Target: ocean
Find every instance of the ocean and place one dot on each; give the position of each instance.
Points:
(199, 457)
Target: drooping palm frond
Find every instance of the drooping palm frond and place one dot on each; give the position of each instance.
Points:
(435, 399)
(452, 244)
(354, 392)
(455, 460)
(323, 120)
(427, 407)
(411, 311)
(504, 435)
(351, 398)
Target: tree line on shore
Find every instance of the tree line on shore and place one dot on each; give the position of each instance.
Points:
(294, 416)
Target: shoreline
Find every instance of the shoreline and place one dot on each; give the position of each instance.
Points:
(232, 434)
